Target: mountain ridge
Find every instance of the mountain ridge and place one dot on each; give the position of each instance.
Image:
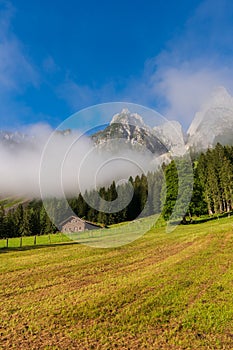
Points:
(131, 128)
(211, 124)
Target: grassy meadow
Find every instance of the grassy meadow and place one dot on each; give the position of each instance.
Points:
(162, 291)
(10, 202)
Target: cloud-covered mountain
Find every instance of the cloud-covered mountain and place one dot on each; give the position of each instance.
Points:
(14, 139)
(125, 147)
(214, 122)
(173, 136)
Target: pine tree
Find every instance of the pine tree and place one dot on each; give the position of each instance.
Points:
(2, 222)
(25, 227)
(169, 191)
(10, 226)
(18, 220)
(156, 190)
(226, 181)
(198, 205)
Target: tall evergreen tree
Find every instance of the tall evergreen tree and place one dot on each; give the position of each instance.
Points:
(2, 222)
(169, 191)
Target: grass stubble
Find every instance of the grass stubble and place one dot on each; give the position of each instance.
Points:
(163, 291)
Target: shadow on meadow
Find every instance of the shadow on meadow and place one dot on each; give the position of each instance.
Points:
(34, 247)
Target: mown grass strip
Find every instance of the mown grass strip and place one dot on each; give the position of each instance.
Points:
(163, 291)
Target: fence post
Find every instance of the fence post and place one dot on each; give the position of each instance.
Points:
(35, 240)
(21, 242)
(7, 243)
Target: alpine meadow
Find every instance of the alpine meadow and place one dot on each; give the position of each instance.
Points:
(116, 175)
(164, 291)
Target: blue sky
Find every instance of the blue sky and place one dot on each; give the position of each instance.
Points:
(57, 57)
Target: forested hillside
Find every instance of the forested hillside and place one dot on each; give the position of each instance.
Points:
(212, 193)
(212, 183)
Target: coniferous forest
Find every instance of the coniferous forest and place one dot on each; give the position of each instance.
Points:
(156, 192)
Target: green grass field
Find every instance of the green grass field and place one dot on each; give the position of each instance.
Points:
(10, 202)
(163, 291)
(29, 241)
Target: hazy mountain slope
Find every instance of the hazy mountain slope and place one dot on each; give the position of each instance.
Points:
(214, 122)
(173, 136)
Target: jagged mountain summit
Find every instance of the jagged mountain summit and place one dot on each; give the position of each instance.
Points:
(214, 122)
(131, 128)
(126, 117)
(125, 126)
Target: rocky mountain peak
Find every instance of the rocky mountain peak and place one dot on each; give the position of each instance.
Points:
(126, 117)
(131, 128)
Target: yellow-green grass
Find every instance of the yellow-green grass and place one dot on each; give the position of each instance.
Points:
(116, 235)
(10, 202)
(163, 291)
(28, 241)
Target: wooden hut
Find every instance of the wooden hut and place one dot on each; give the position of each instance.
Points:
(75, 224)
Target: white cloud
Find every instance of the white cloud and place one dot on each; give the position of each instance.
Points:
(16, 70)
(179, 80)
(48, 163)
(182, 77)
(187, 86)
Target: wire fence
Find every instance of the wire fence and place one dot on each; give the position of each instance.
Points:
(25, 241)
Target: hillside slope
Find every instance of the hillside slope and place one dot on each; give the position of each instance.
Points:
(164, 291)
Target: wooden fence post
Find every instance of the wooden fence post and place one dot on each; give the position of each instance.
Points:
(7, 243)
(35, 240)
(21, 242)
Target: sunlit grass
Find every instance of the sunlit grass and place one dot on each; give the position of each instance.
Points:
(27, 241)
(163, 291)
(10, 202)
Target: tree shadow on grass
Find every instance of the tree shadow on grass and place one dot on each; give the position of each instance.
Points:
(212, 218)
(201, 220)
